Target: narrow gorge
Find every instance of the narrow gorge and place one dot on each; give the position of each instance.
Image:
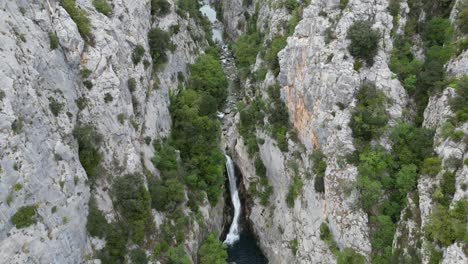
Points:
(233, 131)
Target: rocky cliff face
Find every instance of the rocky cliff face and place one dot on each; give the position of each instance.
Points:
(319, 83)
(37, 149)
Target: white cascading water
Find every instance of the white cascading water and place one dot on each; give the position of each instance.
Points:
(233, 234)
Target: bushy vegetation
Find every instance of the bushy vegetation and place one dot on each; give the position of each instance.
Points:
(459, 103)
(364, 41)
(134, 204)
(261, 188)
(195, 134)
(177, 255)
(422, 79)
(103, 7)
(116, 244)
(54, 106)
(445, 226)
(159, 42)
(138, 256)
(369, 117)
(54, 41)
(382, 173)
(247, 46)
(295, 188)
(278, 117)
(245, 51)
(160, 7)
(431, 166)
(251, 117)
(271, 55)
(24, 217)
(96, 223)
(80, 17)
(207, 77)
(319, 167)
(343, 4)
(212, 251)
(88, 150)
(137, 54)
(463, 21)
(349, 256)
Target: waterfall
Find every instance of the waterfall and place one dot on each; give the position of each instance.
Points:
(233, 234)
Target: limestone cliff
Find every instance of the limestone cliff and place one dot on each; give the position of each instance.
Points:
(319, 81)
(37, 149)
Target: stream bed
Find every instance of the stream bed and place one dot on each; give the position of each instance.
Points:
(242, 246)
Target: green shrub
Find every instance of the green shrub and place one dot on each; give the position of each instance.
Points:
(2, 95)
(372, 178)
(447, 226)
(463, 21)
(327, 237)
(88, 150)
(85, 73)
(394, 8)
(116, 240)
(357, 65)
(102, 6)
(382, 235)
(278, 117)
(438, 31)
(212, 251)
(196, 134)
(24, 217)
(245, 51)
(137, 54)
(459, 103)
(207, 76)
(406, 178)
(54, 106)
(160, 7)
(166, 194)
(448, 187)
(294, 190)
(96, 223)
(80, 17)
(369, 117)
(411, 144)
(138, 256)
(159, 43)
(318, 160)
(343, 4)
(134, 203)
(349, 256)
(108, 98)
(364, 41)
(17, 187)
(293, 245)
(291, 5)
(177, 255)
(88, 84)
(132, 84)
(54, 41)
(431, 166)
(271, 54)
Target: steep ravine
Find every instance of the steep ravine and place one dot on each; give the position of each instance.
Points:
(84, 102)
(319, 81)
